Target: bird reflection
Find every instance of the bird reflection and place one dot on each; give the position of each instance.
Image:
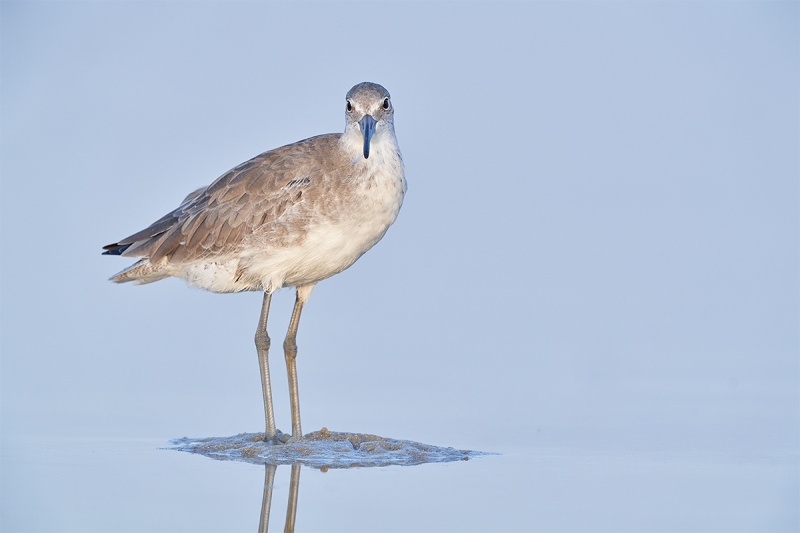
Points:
(321, 449)
(266, 502)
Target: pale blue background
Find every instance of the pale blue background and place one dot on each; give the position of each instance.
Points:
(595, 271)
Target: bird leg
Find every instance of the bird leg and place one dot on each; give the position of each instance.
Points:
(262, 347)
(290, 351)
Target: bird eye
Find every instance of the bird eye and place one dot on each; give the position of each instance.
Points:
(349, 106)
(386, 103)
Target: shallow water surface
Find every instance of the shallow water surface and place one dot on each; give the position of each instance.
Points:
(322, 449)
(137, 485)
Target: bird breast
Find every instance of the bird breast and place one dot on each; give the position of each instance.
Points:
(341, 217)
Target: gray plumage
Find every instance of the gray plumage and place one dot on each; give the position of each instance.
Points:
(292, 216)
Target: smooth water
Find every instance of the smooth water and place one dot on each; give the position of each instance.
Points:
(138, 485)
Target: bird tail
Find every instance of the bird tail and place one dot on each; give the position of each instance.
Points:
(140, 273)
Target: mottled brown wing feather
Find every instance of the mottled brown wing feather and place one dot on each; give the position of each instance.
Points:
(138, 241)
(217, 218)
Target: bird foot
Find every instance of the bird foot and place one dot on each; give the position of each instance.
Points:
(279, 438)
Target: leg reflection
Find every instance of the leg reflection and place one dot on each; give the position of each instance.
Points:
(291, 508)
(266, 501)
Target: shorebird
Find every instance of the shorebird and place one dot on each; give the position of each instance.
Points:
(289, 217)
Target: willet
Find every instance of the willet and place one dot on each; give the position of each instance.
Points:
(289, 217)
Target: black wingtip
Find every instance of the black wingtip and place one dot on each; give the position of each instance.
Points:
(115, 249)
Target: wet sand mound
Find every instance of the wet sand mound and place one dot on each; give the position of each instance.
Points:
(322, 449)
